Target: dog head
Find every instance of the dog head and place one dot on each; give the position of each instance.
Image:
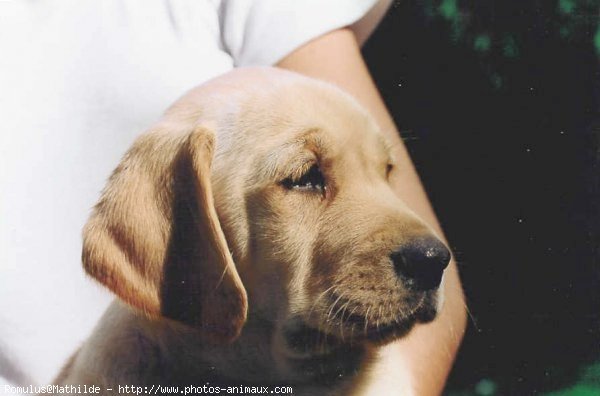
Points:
(298, 194)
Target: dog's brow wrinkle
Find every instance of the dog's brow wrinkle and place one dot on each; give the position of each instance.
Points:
(312, 140)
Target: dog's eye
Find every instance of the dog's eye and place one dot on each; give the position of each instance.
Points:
(312, 180)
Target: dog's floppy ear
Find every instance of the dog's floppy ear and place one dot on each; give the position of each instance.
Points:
(155, 240)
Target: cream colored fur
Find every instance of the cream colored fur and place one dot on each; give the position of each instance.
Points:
(214, 256)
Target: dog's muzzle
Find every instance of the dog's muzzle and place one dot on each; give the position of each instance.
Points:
(334, 346)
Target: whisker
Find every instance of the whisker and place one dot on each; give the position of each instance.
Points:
(352, 312)
(466, 306)
(472, 318)
(342, 309)
(317, 300)
(221, 278)
(333, 306)
(367, 320)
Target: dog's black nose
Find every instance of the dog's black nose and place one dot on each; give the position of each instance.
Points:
(421, 262)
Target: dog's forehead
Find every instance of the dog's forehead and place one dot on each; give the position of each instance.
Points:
(331, 123)
(263, 109)
(285, 106)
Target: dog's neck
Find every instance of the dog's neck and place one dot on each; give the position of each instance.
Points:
(249, 359)
(179, 355)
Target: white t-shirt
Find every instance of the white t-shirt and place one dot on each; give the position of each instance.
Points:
(79, 80)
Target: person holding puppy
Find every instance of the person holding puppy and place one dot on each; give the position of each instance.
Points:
(81, 79)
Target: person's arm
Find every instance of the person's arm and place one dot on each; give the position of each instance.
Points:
(425, 356)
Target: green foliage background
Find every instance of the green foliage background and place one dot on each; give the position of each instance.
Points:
(497, 29)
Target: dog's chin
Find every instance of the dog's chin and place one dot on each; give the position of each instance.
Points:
(384, 333)
(318, 356)
(378, 333)
(330, 353)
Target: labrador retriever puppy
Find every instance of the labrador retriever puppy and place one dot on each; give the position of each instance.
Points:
(252, 238)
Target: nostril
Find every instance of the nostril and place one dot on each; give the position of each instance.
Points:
(421, 262)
